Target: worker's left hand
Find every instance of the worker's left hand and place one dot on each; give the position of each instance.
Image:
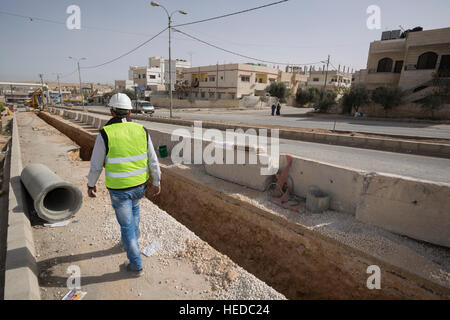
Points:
(154, 190)
(91, 192)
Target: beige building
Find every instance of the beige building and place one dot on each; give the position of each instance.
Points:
(235, 80)
(333, 78)
(293, 79)
(408, 60)
(227, 81)
(120, 85)
(359, 77)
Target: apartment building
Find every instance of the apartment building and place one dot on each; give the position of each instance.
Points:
(333, 78)
(120, 85)
(408, 60)
(145, 76)
(293, 78)
(228, 81)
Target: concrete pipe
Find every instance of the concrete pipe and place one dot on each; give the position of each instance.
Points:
(53, 198)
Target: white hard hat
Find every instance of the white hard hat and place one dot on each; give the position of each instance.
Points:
(120, 101)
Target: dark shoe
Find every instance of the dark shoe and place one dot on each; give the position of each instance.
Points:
(137, 273)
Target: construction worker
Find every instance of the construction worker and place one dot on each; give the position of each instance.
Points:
(126, 151)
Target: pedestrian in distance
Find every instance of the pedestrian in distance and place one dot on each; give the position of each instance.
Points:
(126, 151)
(278, 109)
(273, 109)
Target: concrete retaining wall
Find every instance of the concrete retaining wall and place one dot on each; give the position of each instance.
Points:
(415, 208)
(399, 144)
(21, 275)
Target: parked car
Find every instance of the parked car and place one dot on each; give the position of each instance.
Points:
(143, 107)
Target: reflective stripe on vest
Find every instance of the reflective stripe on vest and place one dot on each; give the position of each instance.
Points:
(126, 164)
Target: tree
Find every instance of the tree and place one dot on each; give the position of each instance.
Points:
(388, 97)
(307, 95)
(106, 96)
(432, 103)
(279, 90)
(130, 94)
(326, 100)
(357, 96)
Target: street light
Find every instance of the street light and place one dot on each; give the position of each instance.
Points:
(169, 16)
(59, 86)
(79, 77)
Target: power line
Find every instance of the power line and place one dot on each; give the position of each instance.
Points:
(69, 74)
(231, 14)
(127, 53)
(32, 19)
(242, 55)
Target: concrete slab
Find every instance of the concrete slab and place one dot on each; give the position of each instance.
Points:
(415, 208)
(21, 281)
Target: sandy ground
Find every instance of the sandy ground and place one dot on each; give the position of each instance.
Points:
(184, 266)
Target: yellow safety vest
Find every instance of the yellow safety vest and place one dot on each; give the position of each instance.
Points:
(126, 164)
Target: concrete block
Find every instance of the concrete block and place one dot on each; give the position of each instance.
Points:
(102, 123)
(374, 143)
(90, 120)
(317, 201)
(415, 208)
(249, 174)
(430, 148)
(84, 118)
(392, 145)
(96, 122)
(445, 150)
(409, 146)
(344, 185)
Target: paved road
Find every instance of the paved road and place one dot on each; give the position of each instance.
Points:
(421, 167)
(295, 117)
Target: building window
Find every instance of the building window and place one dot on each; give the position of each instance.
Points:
(202, 94)
(385, 65)
(245, 78)
(212, 79)
(398, 66)
(152, 76)
(427, 60)
(444, 66)
(316, 79)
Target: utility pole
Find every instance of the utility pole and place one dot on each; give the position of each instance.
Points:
(326, 73)
(79, 78)
(60, 94)
(169, 16)
(42, 87)
(170, 66)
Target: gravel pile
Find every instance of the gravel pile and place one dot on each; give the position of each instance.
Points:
(228, 280)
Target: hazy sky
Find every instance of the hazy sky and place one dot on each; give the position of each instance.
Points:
(297, 31)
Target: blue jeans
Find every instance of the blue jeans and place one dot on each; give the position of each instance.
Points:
(126, 206)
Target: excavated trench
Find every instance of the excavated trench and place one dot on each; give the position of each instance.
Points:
(297, 262)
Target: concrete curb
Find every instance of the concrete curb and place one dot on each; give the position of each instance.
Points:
(21, 275)
(399, 144)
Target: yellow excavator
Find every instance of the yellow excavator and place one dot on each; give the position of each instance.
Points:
(36, 100)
